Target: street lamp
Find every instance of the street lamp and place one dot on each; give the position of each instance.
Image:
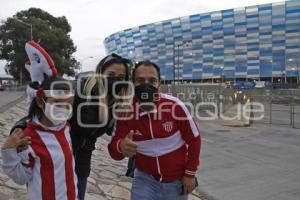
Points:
(222, 74)
(27, 24)
(298, 74)
(283, 76)
(174, 60)
(131, 54)
(132, 58)
(177, 46)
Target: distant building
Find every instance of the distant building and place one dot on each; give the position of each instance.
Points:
(4, 78)
(260, 42)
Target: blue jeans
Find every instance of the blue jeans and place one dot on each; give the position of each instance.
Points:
(81, 186)
(145, 187)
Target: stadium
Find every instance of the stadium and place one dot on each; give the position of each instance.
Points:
(260, 42)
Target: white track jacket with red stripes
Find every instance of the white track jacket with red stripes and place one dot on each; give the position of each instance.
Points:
(46, 166)
(167, 138)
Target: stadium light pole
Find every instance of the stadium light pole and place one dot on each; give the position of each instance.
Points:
(298, 70)
(131, 54)
(298, 63)
(283, 77)
(222, 74)
(174, 60)
(177, 47)
(298, 77)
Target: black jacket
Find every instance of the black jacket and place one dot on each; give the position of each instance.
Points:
(83, 138)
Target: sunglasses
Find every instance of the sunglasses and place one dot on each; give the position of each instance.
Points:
(114, 56)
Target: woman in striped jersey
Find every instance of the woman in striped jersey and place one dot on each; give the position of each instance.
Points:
(94, 90)
(46, 165)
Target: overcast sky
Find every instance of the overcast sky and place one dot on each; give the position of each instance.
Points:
(93, 20)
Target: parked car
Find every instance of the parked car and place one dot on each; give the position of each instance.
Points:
(2, 87)
(260, 84)
(243, 85)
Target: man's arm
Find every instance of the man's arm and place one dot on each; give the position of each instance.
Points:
(191, 135)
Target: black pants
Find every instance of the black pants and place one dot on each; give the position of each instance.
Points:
(83, 169)
(81, 186)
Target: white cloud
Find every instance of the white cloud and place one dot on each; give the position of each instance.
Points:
(93, 20)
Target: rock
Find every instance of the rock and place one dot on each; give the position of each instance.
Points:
(126, 185)
(105, 188)
(119, 192)
(3, 177)
(21, 196)
(107, 174)
(94, 197)
(108, 181)
(93, 189)
(91, 180)
(115, 170)
(12, 184)
(6, 193)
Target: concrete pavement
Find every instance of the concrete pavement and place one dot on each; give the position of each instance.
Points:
(10, 98)
(247, 163)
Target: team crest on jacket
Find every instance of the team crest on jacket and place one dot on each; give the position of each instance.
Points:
(168, 126)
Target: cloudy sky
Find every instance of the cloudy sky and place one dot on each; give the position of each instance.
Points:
(93, 20)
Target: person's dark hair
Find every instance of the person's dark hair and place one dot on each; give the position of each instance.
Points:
(113, 59)
(62, 84)
(146, 63)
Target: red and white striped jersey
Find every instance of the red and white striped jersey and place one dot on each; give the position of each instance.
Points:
(47, 166)
(168, 139)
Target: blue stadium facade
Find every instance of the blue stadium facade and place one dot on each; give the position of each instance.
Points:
(257, 42)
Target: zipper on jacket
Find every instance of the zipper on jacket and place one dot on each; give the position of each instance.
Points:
(156, 157)
(150, 124)
(158, 168)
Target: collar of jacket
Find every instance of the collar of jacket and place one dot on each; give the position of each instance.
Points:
(36, 124)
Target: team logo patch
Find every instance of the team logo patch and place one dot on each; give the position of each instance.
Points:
(168, 126)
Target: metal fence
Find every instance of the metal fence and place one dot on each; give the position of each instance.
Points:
(281, 106)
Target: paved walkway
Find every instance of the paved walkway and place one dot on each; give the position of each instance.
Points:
(8, 97)
(107, 180)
